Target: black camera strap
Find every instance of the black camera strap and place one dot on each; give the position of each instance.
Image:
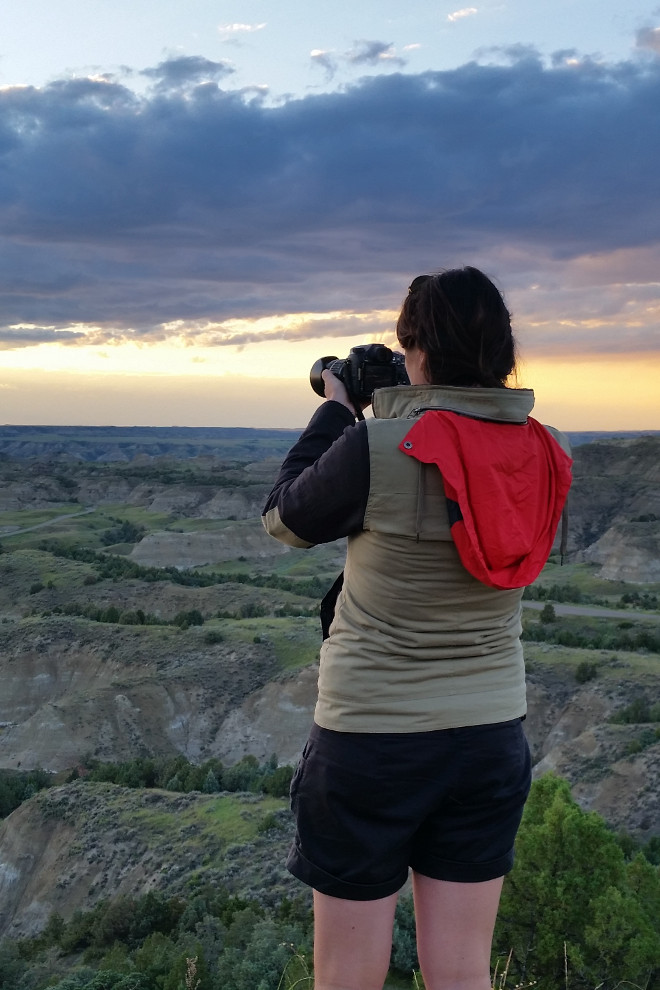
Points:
(355, 403)
(328, 605)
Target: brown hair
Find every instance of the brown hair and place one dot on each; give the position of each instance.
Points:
(459, 321)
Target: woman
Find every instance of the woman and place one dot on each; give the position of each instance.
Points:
(450, 498)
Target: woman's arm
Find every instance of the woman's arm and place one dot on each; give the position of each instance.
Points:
(321, 491)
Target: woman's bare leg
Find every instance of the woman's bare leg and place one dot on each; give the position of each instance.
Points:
(352, 942)
(455, 923)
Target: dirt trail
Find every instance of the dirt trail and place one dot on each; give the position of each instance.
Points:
(49, 522)
(604, 613)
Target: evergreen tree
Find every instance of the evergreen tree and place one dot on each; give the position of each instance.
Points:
(572, 901)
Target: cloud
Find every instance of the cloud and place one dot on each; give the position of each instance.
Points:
(186, 70)
(518, 52)
(325, 59)
(373, 53)
(232, 29)
(458, 15)
(143, 217)
(305, 327)
(649, 38)
(363, 53)
(14, 337)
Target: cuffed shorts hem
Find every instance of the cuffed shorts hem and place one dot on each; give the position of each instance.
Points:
(325, 883)
(439, 869)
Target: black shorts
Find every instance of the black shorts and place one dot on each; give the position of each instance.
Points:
(370, 805)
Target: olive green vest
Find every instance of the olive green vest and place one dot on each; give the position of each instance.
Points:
(417, 643)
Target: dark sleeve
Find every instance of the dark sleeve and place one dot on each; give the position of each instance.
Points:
(321, 491)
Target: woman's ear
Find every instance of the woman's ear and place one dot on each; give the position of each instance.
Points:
(416, 366)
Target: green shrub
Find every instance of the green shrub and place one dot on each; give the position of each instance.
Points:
(213, 636)
(548, 613)
(586, 671)
(123, 532)
(269, 822)
(637, 711)
(193, 617)
(278, 782)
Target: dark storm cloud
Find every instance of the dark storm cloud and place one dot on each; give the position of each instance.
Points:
(198, 204)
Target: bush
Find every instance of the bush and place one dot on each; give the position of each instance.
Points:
(269, 822)
(586, 671)
(548, 613)
(16, 787)
(637, 711)
(191, 618)
(404, 937)
(278, 783)
(123, 532)
(213, 636)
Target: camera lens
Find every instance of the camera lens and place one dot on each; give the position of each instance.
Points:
(315, 379)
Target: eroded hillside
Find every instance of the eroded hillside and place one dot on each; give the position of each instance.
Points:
(615, 507)
(72, 846)
(143, 611)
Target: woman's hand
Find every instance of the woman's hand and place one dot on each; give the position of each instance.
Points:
(336, 390)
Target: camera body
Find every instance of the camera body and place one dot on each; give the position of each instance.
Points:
(367, 367)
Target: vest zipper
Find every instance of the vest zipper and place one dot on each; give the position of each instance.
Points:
(420, 498)
(414, 413)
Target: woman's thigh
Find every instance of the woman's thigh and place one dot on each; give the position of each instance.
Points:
(455, 923)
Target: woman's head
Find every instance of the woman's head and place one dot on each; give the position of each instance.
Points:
(459, 322)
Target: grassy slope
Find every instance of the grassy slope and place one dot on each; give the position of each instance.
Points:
(586, 578)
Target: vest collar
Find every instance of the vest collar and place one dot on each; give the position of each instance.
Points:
(503, 405)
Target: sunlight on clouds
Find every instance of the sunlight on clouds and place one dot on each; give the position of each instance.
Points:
(459, 14)
(278, 347)
(256, 371)
(240, 28)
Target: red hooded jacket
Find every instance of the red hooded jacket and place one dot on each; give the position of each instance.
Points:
(506, 485)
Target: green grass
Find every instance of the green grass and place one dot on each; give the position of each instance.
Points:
(224, 818)
(296, 641)
(21, 568)
(140, 515)
(83, 530)
(611, 664)
(324, 561)
(586, 578)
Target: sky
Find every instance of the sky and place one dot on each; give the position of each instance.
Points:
(199, 199)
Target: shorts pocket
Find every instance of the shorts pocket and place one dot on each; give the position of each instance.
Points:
(299, 771)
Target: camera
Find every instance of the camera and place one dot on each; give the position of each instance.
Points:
(367, 367)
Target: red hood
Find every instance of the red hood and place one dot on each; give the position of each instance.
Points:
(506, 485)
